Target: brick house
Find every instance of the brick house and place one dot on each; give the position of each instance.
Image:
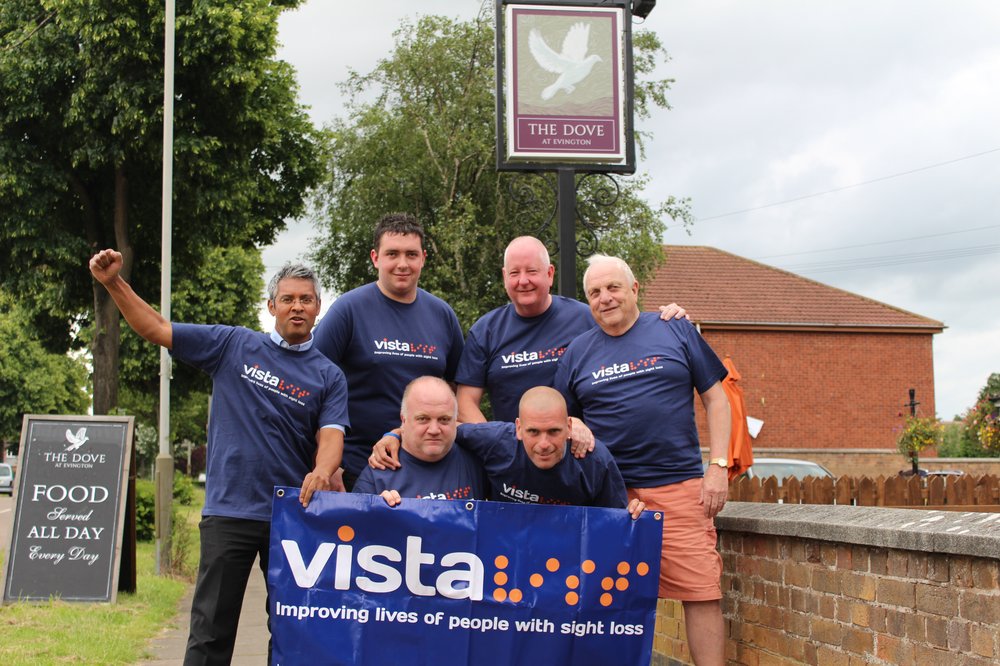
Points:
(822, 367)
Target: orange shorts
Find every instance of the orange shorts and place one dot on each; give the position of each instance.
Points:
(690, 566)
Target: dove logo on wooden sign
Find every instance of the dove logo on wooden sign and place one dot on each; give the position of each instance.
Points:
(76, 439)
(564, 93)
(572, 64)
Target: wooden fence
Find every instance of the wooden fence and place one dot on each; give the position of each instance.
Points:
(951, 493)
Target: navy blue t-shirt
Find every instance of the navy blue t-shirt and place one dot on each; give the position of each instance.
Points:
(591, 481)
(456, 476)
(267, 405)
(636, 393)
(382, 345)
(507, 354)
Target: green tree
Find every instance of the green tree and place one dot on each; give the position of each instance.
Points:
(420, 138)
(32, 379)
(80, 154)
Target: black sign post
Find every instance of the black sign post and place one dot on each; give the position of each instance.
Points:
(67, 529)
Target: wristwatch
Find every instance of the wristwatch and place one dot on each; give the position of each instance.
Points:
(721, 462)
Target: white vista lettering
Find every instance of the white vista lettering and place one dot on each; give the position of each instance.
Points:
(520, 357)
(518, 493)
(462, 580)
(611, 370)
(393, 345)
(262, 375)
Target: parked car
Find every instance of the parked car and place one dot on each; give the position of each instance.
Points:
(931, 473)
(782, 468)
(6, 479)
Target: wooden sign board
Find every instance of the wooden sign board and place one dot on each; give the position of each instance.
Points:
(70, 499)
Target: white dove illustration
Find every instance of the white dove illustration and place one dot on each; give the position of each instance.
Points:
(77, 440)
(572, 65)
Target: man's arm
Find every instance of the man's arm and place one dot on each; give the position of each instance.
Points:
(715, 487)
(469, 398)
(105, 266)
(329, 451)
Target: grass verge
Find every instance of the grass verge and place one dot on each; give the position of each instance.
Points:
(61, 632)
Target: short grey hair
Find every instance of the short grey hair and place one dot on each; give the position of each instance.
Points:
(617, 262)
(293, 271)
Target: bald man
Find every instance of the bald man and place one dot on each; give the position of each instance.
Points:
(515, 347)
(528, 461)
(433, 468)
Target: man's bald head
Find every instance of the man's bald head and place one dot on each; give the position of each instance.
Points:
(527, 275)
(543, 426)
(543, 397)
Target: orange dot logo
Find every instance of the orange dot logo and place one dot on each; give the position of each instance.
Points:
(621, 584)
(501, 562)
(606, 599)
(552, 564)
(588, 566)
(500, 594)
(572, 582)
(607, 583)
(623, 568)
(642, 569)
(500, 578)
(572, 598)
(516, 595)
(345, 533)
(536, 580)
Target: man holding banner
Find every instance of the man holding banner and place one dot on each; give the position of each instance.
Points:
(435, 468)
(527, 461)
(298, 400)
(632, 380)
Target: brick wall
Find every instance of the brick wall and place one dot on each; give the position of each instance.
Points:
(828, 390)
(792, 597)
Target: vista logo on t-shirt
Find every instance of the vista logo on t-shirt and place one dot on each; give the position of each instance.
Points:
(254, 372)
(528, 356)
(616, 369)
(387, 345)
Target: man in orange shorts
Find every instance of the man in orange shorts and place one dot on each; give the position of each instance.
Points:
(632, 380)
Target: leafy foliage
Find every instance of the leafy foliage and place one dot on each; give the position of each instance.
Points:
(34, 380)
(420, 138)
(80, 153)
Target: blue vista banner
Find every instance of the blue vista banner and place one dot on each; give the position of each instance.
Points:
(353, 581)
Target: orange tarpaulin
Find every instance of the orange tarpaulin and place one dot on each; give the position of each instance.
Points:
(740, 451)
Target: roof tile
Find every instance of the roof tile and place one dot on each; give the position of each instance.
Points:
(722, 288)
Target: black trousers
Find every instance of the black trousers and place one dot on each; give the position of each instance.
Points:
(229, 547)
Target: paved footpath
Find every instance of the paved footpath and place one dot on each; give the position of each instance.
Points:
(251, 638)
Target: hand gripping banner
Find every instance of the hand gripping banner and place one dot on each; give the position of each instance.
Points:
(353, 581)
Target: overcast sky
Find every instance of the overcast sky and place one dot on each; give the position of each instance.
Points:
(854, 143)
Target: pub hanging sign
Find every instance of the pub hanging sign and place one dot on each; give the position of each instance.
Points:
(566, 85)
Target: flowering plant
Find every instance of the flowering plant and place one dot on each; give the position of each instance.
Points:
(985, 424)
(918, 434)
